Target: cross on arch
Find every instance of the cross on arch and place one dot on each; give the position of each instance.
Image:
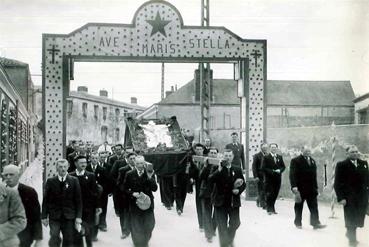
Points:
(256, 55)
(52, 51)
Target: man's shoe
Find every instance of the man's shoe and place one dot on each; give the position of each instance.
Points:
(179, 212)
(103, 228)
(94, 239)
(353, 242)
(270, 213)
(210, 240)
(319, 226)
(201, 229)
(124, 236)
(298, 226)
(274, 212)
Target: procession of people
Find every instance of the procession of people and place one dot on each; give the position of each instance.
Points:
(74, 204)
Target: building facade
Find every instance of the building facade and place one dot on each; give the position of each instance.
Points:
(289, 104)
(362, 109)
(17, 120)
(96, 119)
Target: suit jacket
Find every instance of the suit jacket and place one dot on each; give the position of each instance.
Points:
(206, 187)
(114, 174)
(134, 183)
(62, 199)
(100, 176)
(303, 176)
(269, 167)
(239, 155)
(89, 193)
(12, 217)
(224, 184)
(122, 195)
(352, 184)
(256, 165)
(33, 230)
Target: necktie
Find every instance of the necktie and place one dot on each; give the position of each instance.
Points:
(275, 159)
(229, 171)
(355, 163)
(308, 161)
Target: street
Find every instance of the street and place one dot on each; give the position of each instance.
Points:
(257, 228)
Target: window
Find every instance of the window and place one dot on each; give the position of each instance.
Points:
(69, 107)
(84, 110)
(117, 112)
(104, 133)
(105, 110)
(125, 113)
(117, 135)
(96, 111)
(227, 121)
(212, 122)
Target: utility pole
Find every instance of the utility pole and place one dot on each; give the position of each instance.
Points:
(205, 80)
(162, 80)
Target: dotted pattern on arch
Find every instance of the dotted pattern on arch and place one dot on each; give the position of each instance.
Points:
(157, 31)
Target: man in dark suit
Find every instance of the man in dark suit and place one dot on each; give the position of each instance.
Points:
(62, 206)
(103, 156)
(136, 183)
(206, 192)
(238, 151)
(102, 180)
(124, 216)
(194, 179)
(303, 169)
(259, 175)
(229, 184)
(273, 167)
(33, 230)
(90, 203)
(352, 189)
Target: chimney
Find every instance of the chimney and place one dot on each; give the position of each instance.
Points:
(134, 100)
(167, 93)
(176, 87)
(82, 89)
(103, 93)
(172, 88)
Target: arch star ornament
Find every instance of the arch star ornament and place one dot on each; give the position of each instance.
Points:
(158, 25)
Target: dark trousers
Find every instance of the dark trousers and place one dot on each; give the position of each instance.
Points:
(313, 207)
(198, 206)
(271, 192)
(142, 225)
(228, 221)
(104, 205)
(66, 227)
(180, 189)
(167, 191)
(124, 219)
(208, 220)
(261, 193)
(351, 234)
(88, 234)
(25, 237)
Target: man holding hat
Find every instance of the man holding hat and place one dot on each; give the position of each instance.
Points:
(139, 185)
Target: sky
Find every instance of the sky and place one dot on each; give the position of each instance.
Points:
(306, 40)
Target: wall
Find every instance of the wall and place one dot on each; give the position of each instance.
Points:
(361, 105)
(321, 140)
(89, 128)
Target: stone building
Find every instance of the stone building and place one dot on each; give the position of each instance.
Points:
(96, 119)
(362, 109)
(289, 104)
(17, 118)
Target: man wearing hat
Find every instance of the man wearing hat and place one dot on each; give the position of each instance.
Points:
(62, 206)
(33, 230)
(139, 185)
(90, 202)
(238, 151)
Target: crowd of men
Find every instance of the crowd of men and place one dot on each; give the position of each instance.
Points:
(75, 201)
